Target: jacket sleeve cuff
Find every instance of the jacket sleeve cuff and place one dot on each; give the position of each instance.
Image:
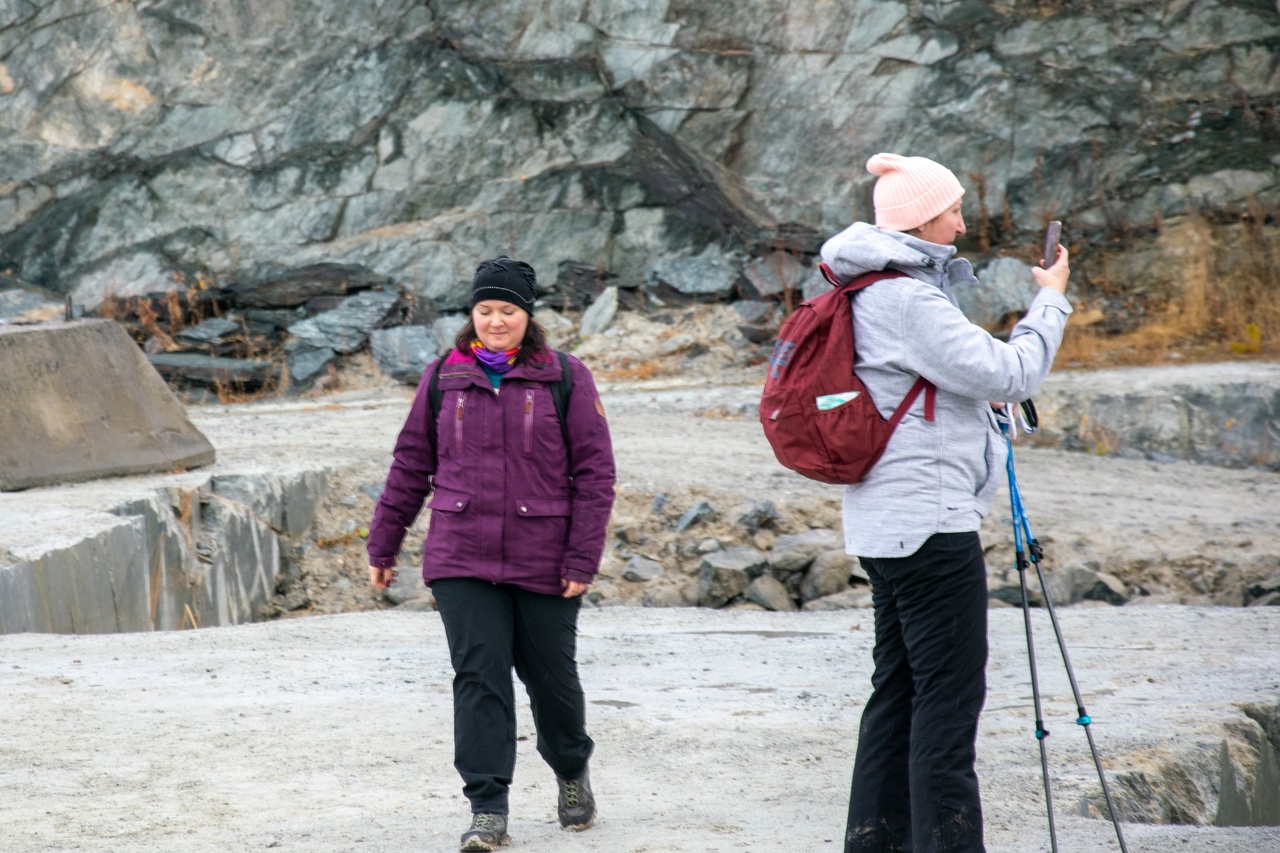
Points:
(1051, 298)
(382, 562)
(579, 577)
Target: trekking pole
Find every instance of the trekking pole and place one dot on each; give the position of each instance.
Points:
(1020, 557)
(1027, 551)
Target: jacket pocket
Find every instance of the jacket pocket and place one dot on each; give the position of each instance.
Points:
(990, 462)
(452, 533)
(542, 531)
(544, 507)
(446, 501)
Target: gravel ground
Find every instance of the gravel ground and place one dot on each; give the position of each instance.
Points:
(717, 730)
(722, 731)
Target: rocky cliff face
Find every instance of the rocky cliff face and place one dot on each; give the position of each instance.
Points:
(156, 144)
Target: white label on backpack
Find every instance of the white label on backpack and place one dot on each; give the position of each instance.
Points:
(831, 401)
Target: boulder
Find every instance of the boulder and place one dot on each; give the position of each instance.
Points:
(600, 315)
(701, 511)
(776, 273)
(770, 593)
(795, 551)
(347, 327)
(307, 363)
(579, 283)
(237, 375)
(757, 514)
(403, 352)
(723, 575)
(849, 599)
(641, 570)
(446, 330)
(828, 574)
(710, 276)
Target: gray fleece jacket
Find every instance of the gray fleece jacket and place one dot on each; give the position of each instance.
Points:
(940, 476)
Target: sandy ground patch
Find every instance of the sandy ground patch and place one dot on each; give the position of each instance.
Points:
(720, 731)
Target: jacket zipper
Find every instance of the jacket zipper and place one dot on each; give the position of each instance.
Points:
(457, 425)
(528, 421)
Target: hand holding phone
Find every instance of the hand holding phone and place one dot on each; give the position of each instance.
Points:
(1052, 235)
(1050, 273)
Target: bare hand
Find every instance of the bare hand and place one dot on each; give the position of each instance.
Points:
(1055, 276)
(572, 588)
(382, 578)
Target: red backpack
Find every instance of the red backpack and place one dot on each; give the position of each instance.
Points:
(816, 412)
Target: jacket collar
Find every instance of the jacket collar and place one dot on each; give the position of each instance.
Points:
(543, 367)
(862, 247)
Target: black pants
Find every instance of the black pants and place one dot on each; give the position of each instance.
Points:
(914, 784)
(492, 628)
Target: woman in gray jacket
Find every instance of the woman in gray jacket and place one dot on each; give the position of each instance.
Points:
(913, 521)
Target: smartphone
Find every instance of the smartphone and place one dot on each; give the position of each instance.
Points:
(1052, 236)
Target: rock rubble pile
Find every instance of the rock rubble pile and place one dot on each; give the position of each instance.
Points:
(687, 551)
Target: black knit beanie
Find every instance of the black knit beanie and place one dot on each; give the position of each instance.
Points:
(505, 279)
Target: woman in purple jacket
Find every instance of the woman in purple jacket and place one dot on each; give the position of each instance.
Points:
(519, 506)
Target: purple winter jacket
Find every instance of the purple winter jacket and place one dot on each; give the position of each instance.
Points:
(509, 504)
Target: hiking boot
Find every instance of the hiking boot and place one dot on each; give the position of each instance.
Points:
(577, 807)
(487, 832)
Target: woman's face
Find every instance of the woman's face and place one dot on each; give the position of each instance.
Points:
(943, 228)
(500, 326)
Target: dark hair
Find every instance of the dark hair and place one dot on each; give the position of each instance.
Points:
(535, 339)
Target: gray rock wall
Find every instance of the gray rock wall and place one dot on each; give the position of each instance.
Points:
(1216, 414)
(180, 558)
(162, 143)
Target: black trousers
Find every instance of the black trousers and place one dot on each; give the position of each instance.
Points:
(914, 784)
(490, 629)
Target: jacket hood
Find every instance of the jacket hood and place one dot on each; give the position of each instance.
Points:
(863, 248)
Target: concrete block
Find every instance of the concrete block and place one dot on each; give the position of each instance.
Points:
(79, 401)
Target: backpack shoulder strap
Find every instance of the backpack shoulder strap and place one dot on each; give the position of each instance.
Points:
(930, 396)
(855, 284)
(561, 390)
(930, 390)
(867, 279)
(435, 397)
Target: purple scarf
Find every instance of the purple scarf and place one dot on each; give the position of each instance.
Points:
(494, 362)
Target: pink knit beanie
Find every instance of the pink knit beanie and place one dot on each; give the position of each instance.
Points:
(911, 190)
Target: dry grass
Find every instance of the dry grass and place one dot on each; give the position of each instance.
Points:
(1223, 302)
